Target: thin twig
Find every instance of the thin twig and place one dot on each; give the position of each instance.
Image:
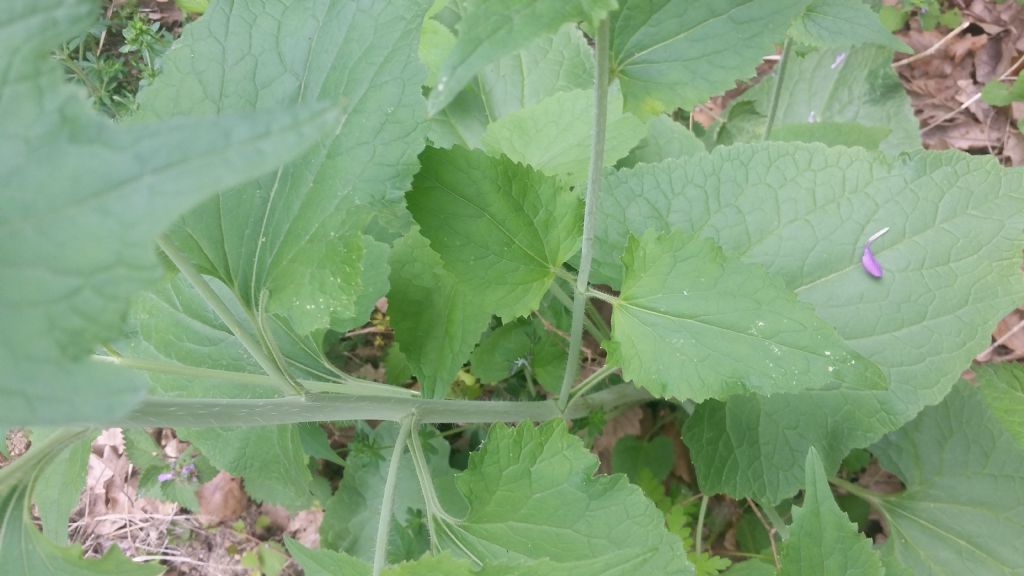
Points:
(987, 354)
(368, 330)
(972, 99)
(780, 77)
(103, 35)
(934, 47)
(771, 532)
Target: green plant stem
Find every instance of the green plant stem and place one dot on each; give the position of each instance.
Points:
(598, 331)
(602, 296)
(347, 385)
(698, 533)
(436, 516)
(590, 381)
(579, 306)
(780, 76)
(858, 491)
(380, 549)
(215, 412)
(218, 306)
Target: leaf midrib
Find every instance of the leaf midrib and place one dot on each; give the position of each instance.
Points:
(543, 263)
(626, 304)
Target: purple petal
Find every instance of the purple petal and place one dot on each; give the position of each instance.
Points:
(188, 469)
(840, 58)
(165, 476)
(869, 262)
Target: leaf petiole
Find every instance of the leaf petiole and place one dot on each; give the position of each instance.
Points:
(380, 549)
(218, 306)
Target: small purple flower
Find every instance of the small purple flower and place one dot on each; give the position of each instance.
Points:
(840, 58)
(165, 477)
(812, 117)
(868, 260)
(188, 471)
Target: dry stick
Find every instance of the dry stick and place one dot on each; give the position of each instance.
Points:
(368, 330)
(934, 48)
(987, 354)
(579, 305)
(972, 99)
(771, 532)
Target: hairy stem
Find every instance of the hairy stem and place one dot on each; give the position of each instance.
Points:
(596, 330)
(224, 313)
(380, 549)
(347, 385)
(579, 307)
(780, 76)
(590, 381)
(215, 412)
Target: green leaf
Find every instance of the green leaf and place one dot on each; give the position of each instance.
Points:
(692, 323)
(315, 442)
(531, 495)
(325, 562)
(842, 24)
(996, 93)
(60, 486)
(351, 516)
(671, 54)
(751, 568)
(963, 509)
(631, 455)
(82, 239)
(893, 18)
(397, 370)
(833, 134)
(24, 549)
(513, 226)
(804, 212)
(821, 87)
(433, 566)
(437, 321)
(329, 563)
(830, 86)
(554, 135)
(436, 42)
(490, 30)
(269, 458)
(546, 66)
(665, 139)
(174, 327)
(143, 453)
(523, 344)
(1002, 387)
(298, 234)
(822, 540)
